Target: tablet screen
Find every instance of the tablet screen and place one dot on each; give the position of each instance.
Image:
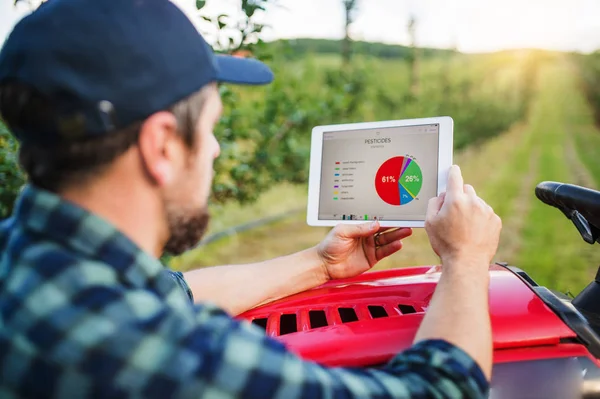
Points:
(386, 174)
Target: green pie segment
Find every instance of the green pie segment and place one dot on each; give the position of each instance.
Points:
(411, 179)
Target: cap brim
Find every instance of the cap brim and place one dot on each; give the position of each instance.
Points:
(247, 71)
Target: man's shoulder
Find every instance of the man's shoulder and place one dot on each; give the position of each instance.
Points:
(39, 273)
(71, 296)
(22, 248)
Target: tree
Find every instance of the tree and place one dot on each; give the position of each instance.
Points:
(350, 8)
(11, 176)
(414, 57)
(233, 183)
(237, 36)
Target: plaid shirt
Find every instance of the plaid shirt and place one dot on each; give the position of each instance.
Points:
(85, 313)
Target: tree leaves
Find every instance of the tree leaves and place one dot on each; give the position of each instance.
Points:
(250, 7)
(265, 131)
(11, 175)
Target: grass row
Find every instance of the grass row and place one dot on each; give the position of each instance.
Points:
(552, 250)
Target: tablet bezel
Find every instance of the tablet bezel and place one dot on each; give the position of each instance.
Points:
(445, 153)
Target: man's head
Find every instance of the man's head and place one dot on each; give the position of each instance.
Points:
(174, 150)
(123, 91)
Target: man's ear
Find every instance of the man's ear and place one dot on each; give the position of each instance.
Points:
(160, 147)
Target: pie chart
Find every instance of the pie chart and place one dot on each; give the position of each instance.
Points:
(399, 181)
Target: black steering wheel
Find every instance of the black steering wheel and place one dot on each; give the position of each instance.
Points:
(580, 204)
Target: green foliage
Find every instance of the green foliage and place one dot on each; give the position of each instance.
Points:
(300, 48)
(11, 177)
(265, 134)
(233, 35)
(266, 139)
(265, 131)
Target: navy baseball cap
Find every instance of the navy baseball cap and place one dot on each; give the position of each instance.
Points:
(106, 64)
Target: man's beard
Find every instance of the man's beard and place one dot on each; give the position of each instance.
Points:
(186, 227)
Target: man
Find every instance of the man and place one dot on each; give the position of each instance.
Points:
(114, 104)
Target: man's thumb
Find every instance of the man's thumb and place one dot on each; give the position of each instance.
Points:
(359, 230)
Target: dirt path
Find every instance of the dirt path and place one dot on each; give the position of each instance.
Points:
(514, 222)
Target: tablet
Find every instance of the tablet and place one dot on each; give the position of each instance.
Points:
(385, 171)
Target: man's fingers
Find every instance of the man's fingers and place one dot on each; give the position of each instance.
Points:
(396, 235)
(485, 205)
(455, 182)
(387, 250)
(434, 206)
(470, 190)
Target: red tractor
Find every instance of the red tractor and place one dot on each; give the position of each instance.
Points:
(546, 344)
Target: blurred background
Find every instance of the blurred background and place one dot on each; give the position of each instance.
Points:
(520, 79)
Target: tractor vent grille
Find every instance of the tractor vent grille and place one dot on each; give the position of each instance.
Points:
(288, 324)
(347, 315)
(377, 312)
(261, 322)
(407, 309)
(303, 319)
(317, 318)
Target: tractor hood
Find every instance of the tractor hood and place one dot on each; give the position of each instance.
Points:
(368, 319)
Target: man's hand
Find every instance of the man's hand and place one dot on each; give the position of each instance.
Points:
(464, 231)
(349, 250)
(461, 226)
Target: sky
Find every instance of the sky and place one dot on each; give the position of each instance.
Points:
(468, 25)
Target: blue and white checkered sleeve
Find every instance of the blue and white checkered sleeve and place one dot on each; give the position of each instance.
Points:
(207, 354)
(199, 351)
